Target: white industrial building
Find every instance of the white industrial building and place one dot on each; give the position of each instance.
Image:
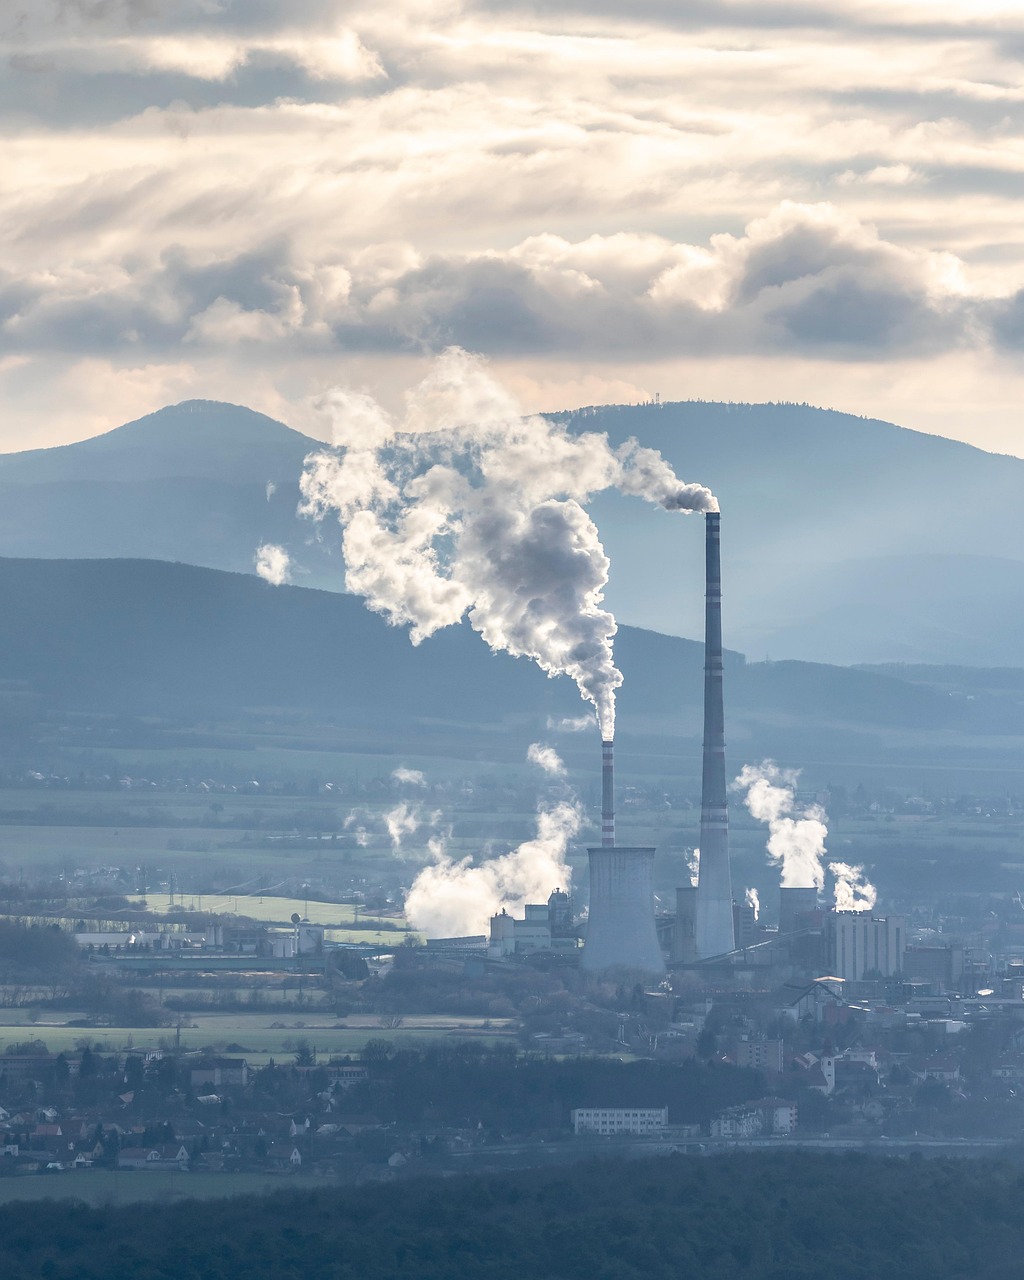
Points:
(612, 1120)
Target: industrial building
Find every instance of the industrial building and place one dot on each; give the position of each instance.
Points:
(612, 1120)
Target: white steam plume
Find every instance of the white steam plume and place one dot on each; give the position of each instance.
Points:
(693, 866)
(569, 724)
(796, 839)
(271, 489)
(753, 899)
(405, 820)
(466, 508)
(409, 777)
(454, 898)
(273, 564)
(853, 891)
(546, 758)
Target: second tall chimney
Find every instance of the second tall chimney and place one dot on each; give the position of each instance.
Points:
(607, 795)
(714, 926)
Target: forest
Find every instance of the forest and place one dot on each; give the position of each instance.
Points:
(742, 1217)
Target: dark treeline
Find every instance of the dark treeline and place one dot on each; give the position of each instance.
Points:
(503, 1090)
(751, 1217)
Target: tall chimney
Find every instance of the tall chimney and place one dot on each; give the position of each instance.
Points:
(607, 795)
(714, 885)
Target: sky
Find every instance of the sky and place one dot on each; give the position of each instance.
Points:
(253, 200)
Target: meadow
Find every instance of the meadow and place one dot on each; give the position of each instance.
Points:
(259, 1036)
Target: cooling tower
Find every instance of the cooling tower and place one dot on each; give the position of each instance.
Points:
(714, 886)
(620, 930)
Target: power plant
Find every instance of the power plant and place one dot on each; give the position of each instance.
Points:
(621, 931)
(714, 919)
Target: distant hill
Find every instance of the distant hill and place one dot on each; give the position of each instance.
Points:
(143, 638)
(844, 539)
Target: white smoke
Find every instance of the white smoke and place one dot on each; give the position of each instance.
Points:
(466, 508)
(402, 821)
(569, 724)
(273, 564)
(853, 891)
(452, 897)
(409, 777)
(693, 866)
(546, 758)
(271, 489)
(753, 899)
(796, 839)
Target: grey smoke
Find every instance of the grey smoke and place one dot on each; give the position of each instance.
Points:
(469, 509)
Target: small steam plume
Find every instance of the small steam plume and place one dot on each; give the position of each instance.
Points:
(753, 900)
(796, 840)
(271, 489)
(853, 891)
(693, 866)
(409, 777)
(467, 508)
(273, 564)
(452, 897)
(402, 821)
(569, 724)
(546, 758)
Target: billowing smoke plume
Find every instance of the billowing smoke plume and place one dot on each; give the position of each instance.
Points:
(853, 891)
(452, 897)
(466, 508)
(796, 839)
(273, 564)
(753, 900)
(546, 758)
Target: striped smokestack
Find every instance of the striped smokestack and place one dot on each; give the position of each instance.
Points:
(607, 795)
(714, 926)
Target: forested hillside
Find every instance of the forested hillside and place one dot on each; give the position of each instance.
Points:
(745, 1217)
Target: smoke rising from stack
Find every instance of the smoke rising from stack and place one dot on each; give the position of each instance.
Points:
(797, 836)
(853, 891)
(452, 897)
(467, 508)
(752, 899)
(796, 840)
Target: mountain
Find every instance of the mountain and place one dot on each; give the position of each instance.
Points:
(200, 482)
(199, 646)
(844, 539)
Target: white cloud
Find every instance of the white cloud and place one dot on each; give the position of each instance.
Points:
(273, 564)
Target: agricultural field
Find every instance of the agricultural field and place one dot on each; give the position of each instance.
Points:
(259, 1036)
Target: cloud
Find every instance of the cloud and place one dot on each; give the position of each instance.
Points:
(273, 564)
(258, 191)
(804, 278)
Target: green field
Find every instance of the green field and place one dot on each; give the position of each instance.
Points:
(255, 1032)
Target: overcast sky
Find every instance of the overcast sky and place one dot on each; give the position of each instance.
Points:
(253, 200)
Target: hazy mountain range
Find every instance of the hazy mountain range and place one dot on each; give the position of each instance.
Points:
(845, 540)
(198, 647)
